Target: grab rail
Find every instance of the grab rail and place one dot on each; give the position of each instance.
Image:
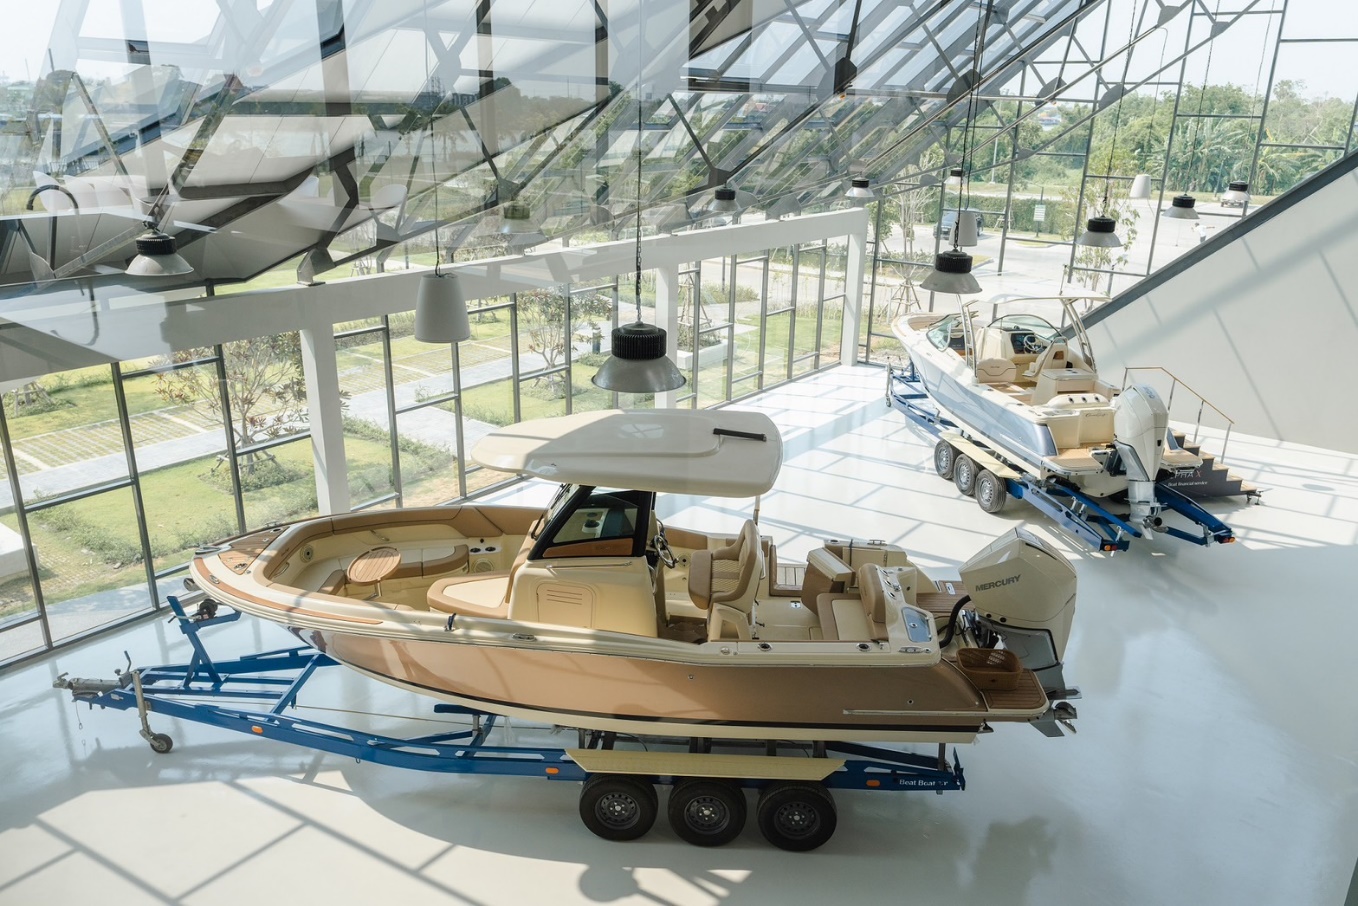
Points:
(1203, 403)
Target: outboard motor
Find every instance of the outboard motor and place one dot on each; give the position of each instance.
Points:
(1024, 592)
(1140, 424)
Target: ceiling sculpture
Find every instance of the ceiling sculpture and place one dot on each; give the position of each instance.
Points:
(330, 132)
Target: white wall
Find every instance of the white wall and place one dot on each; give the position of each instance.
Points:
(1266, 327)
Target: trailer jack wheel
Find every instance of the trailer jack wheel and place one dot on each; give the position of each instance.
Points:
(160, 743)
(991, 492)
(944, 457)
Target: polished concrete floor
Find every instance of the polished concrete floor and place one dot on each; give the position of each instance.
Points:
(1216, 760)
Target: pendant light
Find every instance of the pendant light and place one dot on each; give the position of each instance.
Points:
(637, 361)
(157, 256)
(860, 192)
(951, 274)
(1237, 194)
(1101, 229)
(1101, 233)
(517, 219)
(1182, 207)
(952, 268)
(724, 201)
(441, 310)
(440, 307)
(1141, 187)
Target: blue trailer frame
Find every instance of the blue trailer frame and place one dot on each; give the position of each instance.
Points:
(268, 684)
(1079, 514)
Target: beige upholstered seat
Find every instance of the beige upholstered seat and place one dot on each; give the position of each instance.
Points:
(724, 582)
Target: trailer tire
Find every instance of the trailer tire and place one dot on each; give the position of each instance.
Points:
(944, 459)
(618, 806)
(964, 474)
(991, 492)
(707, 812)
(796, 816)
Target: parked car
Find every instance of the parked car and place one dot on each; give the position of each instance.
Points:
(943, 229)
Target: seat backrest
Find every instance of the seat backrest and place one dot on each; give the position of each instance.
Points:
(737, 569)
(1056, 355)
(724, 582)
(995, 371)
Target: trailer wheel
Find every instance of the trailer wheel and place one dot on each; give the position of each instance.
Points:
(707, 812)
(964, 474)
(160, 743)
(944, 456)
(796, 816)
(618, 806)
(991, 492)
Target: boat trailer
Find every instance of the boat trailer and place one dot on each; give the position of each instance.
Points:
(618, 801)
(1079, 514)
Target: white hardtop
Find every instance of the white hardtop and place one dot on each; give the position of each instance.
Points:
(721, 452)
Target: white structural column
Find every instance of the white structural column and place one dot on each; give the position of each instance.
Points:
(667, 317)
(326, 411)
(854, 264)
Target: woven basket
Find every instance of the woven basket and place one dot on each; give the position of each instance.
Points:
(990, 668)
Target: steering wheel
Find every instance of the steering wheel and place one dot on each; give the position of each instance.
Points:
(1034, 344)
(662, 547)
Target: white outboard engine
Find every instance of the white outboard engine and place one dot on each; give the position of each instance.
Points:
(1140, 424)
(1024, 592)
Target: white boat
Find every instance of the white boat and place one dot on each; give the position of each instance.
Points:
(1030, 391)
(592, 614)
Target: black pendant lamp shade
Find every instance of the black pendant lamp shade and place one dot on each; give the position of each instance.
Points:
(1237, 194)
(638, 363)
(1101, 233)
(951, 274)
(860, 191)
(724, 201)
(157, 256)
(1182, 208)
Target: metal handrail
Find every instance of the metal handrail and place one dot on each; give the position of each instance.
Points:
(1202, 402)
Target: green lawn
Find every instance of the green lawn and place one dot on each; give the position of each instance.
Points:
(91, 545)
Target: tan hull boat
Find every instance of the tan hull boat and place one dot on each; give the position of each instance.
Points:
(591, 615)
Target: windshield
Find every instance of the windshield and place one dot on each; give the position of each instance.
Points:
(947, 333)
(1030, 323)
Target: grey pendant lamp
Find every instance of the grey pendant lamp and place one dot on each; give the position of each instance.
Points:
(637, 361)
(952, 268)
(951, 274)
(441, 310)
(1182, 207)
(440, 307)
(724, 201)
(1237, 194)
(157, 256)
(860, 192)
(1100, 233)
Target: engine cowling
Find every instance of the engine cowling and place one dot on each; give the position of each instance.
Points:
(1024, 591)
(1140, 425)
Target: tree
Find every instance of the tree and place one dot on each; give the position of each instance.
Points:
(265, 387)
(544, 325)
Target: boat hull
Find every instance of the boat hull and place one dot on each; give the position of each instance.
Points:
(655, 697)
(965, 403)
